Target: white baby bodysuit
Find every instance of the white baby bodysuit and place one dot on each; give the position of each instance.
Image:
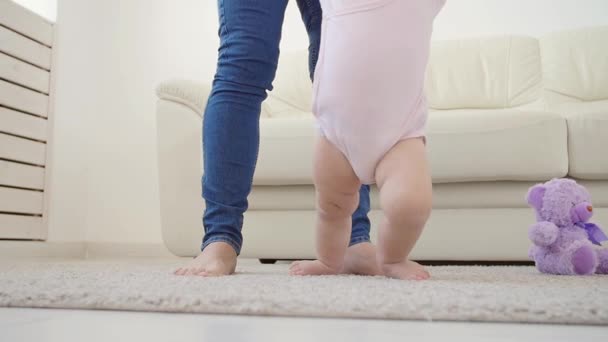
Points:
(369, 80)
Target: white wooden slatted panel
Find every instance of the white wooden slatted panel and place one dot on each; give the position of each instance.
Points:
(21, 227)
(20, 175)
(25, 22)
(16, 45)
(20, 201)
(25, 61)
(23, 99)
(24, 125)
(24, 74)
(22, 150)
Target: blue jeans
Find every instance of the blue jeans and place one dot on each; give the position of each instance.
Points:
(250, 33)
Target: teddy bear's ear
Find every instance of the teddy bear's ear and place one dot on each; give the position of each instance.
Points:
(535, 196)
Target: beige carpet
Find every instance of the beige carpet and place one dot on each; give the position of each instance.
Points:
(501, 294)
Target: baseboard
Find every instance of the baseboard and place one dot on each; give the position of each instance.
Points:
(39, 249)
(127, 250)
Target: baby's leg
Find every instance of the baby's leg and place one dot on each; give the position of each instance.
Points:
(405, 195)
(337, 189)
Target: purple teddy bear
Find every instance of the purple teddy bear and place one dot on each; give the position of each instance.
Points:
(562, 236)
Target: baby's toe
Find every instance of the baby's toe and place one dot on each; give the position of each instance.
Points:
(423, 275)
(296, 272)
(201, 272)
(295, 269)
(192, 271)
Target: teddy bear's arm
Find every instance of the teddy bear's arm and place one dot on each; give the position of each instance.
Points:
(543, 233)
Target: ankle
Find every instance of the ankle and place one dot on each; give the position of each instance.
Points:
(221, 249)
(383, 261)
(335, 267)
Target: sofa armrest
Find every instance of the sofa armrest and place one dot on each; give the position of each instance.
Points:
(188, 93)
(179, 136)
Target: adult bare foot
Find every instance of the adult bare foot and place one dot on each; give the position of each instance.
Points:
(316, 267)
(360, 259)
(217, 259)
(406, 270)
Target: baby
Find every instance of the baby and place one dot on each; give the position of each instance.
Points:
(371, 113)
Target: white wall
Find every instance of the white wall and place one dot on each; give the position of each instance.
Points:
(45, 8)
(111, 55)
(463, 18)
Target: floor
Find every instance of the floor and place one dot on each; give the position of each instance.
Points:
(44, 325)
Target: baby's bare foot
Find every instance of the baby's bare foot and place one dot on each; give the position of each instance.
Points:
(217, 259)
(406, 270)
(361, 259)
(301, 268)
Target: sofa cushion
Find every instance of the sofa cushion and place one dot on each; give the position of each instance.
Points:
(493, 72)
(286, 151)
(494, 145)
(587, 138)
(575, 63)
(464, 145)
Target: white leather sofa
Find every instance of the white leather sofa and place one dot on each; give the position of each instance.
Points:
(507, 112)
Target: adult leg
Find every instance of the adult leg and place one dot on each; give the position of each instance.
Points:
(250, 32)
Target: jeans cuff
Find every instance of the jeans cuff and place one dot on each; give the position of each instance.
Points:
(236, 246)
(358, 240)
